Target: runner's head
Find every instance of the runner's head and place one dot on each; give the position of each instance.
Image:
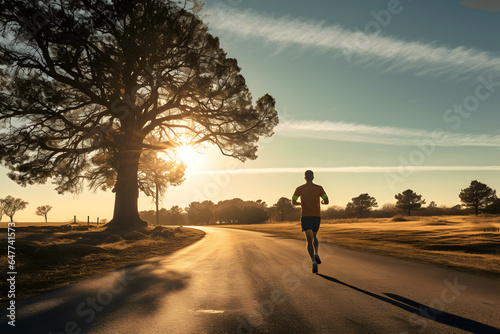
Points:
(309, 175)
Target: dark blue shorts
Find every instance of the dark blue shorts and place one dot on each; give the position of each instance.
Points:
(310, 223)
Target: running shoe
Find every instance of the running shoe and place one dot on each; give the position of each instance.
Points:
(315, 267)
(316, 257)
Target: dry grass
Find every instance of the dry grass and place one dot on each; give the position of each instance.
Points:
(465, 243)
(48, 257)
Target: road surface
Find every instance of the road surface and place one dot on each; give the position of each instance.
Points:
(235, 281)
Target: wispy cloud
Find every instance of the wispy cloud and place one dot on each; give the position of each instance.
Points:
(394, 54)
(356, 169)
(385, 135)
(491, 6)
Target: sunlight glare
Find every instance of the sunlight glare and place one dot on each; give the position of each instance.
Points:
(189, 155)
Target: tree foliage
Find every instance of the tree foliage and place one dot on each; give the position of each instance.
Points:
(494, 207)
(361, 205)
(477, 196)
(200, 213)
(173, 216)
(239, 211)
(11, 205)
(43, 210)
(409, 200)
(283, 209)
(86, 82)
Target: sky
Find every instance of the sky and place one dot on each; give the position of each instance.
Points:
(374, 96)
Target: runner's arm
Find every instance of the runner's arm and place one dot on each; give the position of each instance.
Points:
(295, 197)
(325, 200)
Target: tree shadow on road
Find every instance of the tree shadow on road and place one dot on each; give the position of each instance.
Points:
(424, 311)
(133, 289)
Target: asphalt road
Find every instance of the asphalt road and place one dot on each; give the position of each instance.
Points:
(235, 281)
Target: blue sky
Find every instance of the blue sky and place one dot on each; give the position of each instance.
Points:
(412, 103)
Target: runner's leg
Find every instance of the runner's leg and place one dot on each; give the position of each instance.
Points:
(310, 243)
(316, 243)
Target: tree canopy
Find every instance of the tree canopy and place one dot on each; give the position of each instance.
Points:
(283, 209)
(43, 210)
(88, 86)
(477, 196)
(11, 205)
(409, 200)
(361, 205)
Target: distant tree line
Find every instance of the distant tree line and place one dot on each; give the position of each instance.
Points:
(477, 198)
(203, 213)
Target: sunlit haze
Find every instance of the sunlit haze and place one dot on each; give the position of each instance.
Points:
(190, 156)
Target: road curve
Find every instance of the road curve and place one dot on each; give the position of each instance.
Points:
(235, 281)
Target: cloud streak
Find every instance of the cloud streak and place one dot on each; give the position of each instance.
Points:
(385, 135)
(491, 6)
(376, 49)
(354, 169)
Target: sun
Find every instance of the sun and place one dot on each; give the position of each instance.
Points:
(189, 155)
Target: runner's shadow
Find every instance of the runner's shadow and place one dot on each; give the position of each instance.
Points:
(425, 311)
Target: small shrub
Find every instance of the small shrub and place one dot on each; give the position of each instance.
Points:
(134, 235)
(113, 238)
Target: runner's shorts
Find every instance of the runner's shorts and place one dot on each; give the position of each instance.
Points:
(310, 223)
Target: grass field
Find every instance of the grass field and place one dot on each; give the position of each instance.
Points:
(53, 255)
(466, 243)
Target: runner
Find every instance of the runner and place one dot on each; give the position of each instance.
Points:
(310, 195)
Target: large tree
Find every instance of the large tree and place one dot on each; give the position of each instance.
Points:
(361, 205)
(85, 82)
(409, 200)
(11, 205)
(477, 196)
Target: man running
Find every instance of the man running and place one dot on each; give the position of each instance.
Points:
(310, 195)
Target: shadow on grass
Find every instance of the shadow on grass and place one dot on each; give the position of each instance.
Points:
(424, 311)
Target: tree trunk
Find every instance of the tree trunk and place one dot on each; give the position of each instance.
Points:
(126, 213)
(157, 213)
(409, 212)
(45, 218)
(11, 219)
